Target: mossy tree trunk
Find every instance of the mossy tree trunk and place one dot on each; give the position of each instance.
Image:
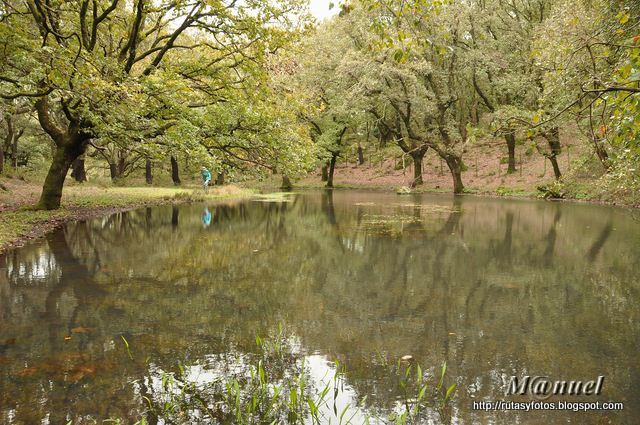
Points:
(70, 142)
(220, 178)
(553, 138)
(417, 155)
(325, 172)
(286, 183)
(175, 171)
(11, 142)
(113, 171)
(148, 172)
(332, 169)
(454, 163)
(79, 173)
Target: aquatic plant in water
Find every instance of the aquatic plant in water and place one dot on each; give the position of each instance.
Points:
(275, 386)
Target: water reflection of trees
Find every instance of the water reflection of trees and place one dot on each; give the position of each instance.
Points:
(480, 284)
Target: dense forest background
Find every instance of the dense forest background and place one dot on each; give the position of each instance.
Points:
(153, 90)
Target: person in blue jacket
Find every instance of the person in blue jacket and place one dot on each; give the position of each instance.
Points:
(206, 217)
(206, 178)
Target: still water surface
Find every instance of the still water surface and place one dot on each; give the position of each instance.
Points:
(493, 287)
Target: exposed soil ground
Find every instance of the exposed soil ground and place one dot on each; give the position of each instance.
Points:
(486, 169)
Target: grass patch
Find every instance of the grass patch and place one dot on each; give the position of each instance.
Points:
(19, 222)
(15, 224)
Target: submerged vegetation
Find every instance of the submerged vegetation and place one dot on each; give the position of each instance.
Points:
(275, 386)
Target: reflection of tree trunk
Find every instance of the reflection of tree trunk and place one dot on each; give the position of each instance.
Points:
(327, 206)
(453, 219)
(551, 240)
(510, 137)
(148, 172)
(175, 171)
(174, 217)
(73, 274)
(597, 245)
(505, 249)
(332, 168)
(147, 220)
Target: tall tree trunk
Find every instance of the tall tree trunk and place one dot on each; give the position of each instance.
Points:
(455, 166)
(70, 142)
(332, 168)
(122, 166)
(417, 157)
(113, 170)
(360, 155)
(175, 172)
(148, 172)
(78, 170)
(14, 152)
(8, 141)
(325, 172)
(1, 160)
(553, 138)
(220, 178)
(556, 168)
(286, 183)
(510, 137)
(54, 182)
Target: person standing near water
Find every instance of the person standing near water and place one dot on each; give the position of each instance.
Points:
(206, 178)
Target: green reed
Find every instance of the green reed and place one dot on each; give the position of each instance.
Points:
(275, 387)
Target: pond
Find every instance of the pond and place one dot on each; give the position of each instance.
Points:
(97, 313)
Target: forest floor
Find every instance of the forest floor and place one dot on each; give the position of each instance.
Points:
(20, 222)
(486, 170)
(486, 173)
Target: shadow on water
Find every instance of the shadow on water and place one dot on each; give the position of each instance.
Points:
(494, 288)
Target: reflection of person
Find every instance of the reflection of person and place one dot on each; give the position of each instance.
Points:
(206, 217)
(206, 178)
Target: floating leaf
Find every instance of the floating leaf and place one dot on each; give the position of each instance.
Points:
(82, 330)
(29, 371)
